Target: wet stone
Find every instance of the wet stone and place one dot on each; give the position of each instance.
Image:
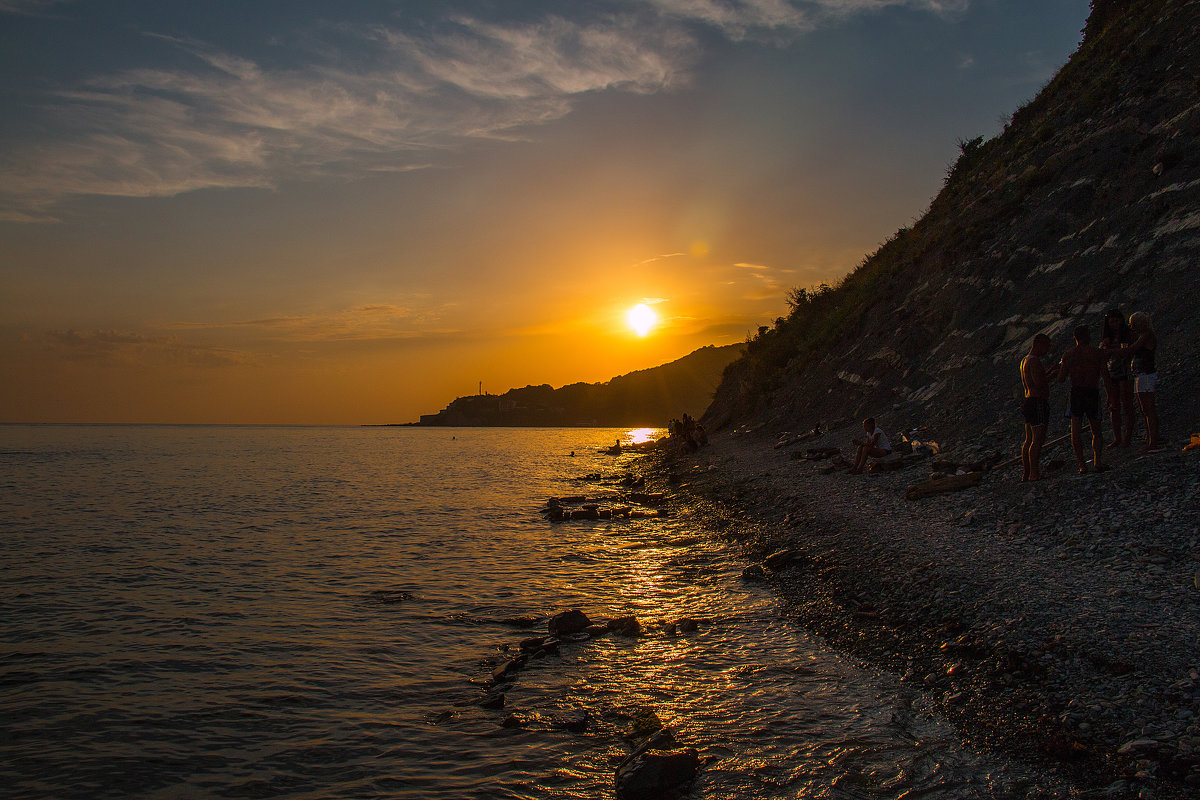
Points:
(754, 573)
(645, 722)
(577, 723)
(493, 700)
(780, 559)
(568, 622)
(654, 775)
(625, 626)
(508, 668)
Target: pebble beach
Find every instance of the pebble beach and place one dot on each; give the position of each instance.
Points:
(1055, 620)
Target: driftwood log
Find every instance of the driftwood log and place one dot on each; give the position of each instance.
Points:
(940, 485)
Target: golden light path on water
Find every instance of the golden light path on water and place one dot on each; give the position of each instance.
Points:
(325, 609)
(642, 435)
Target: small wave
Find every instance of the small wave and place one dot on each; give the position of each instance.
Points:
(388, 597)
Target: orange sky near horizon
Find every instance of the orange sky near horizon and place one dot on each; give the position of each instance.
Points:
(288, 218)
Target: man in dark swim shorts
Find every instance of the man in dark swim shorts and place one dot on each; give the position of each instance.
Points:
(1035, 408)
(1085, 402)
(1085, 366)
(1036, 411)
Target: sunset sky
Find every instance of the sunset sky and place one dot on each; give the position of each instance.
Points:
(284, 211)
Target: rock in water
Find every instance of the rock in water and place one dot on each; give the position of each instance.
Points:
(509, 668)
(577, 723)
(625, 626)
(657, 775)
(492, 700)
(573, 621)
(645, 722)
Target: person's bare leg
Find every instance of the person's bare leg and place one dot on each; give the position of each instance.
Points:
(1077, 443)
(1146, 400)
(1035, 452)
(1025, 446)
(1114, 410)
(1130, 412)
(1097, 443)
(860, 456)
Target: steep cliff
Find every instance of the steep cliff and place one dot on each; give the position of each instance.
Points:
(1089, 198)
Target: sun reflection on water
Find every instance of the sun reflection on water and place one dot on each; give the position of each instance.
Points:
(642, 435)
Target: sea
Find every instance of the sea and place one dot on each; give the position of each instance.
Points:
(315, 612)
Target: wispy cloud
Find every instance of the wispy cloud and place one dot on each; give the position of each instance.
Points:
(230, 121)
(201, 344)
(742, 19)
(363, 323)
(30, 8)
(111, 346)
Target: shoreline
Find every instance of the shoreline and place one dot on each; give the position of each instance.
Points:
(1056, 622)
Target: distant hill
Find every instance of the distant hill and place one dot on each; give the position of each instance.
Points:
(648, 397)
(1088, 199)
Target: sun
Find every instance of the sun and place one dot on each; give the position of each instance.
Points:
(641, 319)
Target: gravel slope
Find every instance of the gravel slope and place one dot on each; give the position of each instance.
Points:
(1059, 620)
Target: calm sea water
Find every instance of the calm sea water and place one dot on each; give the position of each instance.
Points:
(204, 612)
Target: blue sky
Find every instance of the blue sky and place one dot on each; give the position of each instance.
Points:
(352, 212)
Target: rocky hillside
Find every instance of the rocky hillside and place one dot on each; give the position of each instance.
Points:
(645, 397)
(1089, 198)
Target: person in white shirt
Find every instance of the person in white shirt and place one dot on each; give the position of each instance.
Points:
(875, 445)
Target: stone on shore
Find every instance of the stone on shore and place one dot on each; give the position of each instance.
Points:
(754, 572)
(568, 622)
(941, 485)
(780, 560)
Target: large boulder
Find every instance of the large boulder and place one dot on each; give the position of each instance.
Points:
(568, 622)
(654, 775)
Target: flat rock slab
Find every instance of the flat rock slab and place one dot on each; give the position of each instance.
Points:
(941, 485)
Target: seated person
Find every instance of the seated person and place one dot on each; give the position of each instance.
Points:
(875, 445)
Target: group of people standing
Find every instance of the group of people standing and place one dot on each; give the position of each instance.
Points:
(1123, 362)
(689, 431)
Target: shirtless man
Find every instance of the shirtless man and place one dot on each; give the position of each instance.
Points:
(1085, 365)
(1035, 408)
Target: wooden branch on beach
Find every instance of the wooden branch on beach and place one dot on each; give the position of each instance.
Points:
(939, 485)
(1046, 446)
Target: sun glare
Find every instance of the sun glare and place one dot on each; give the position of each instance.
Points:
(641, 319)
